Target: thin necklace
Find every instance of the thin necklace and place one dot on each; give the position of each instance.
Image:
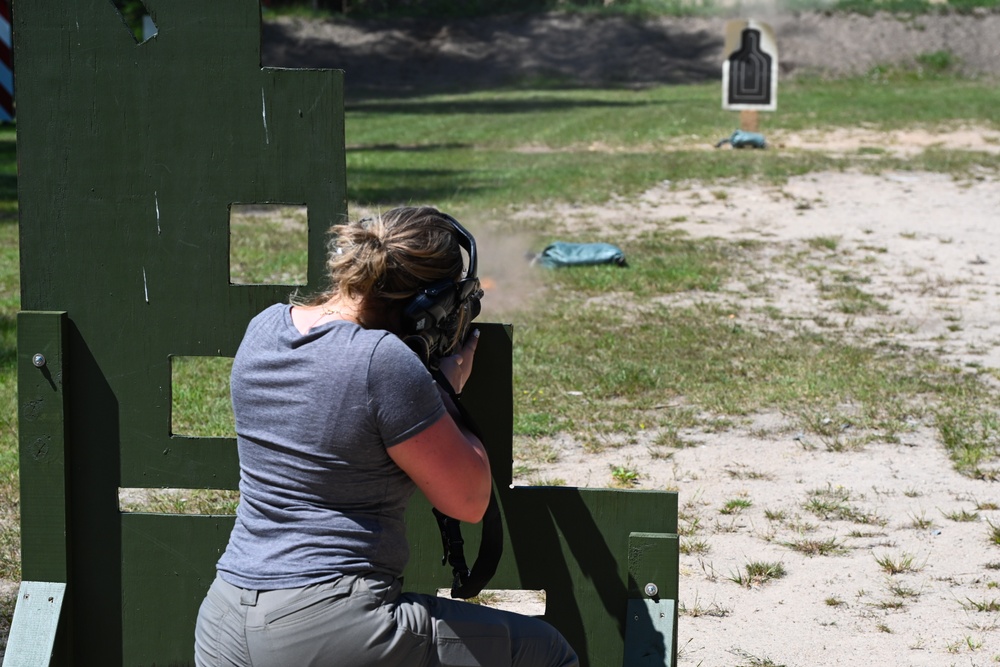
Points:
(326, 311)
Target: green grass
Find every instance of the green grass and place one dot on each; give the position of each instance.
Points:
(486, 150)
(10, 303)
(757, 573)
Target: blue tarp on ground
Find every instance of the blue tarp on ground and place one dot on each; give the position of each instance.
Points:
(561, 254)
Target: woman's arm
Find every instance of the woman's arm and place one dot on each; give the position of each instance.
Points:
(450, 466)
(446, 460)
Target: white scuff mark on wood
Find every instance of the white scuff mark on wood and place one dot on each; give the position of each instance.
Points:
(145, 284)
(156, 199)
(263, 110)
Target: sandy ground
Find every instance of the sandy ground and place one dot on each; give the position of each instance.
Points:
(929, 245)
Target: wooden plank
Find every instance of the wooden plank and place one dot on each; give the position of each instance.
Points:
(35, 623)
(42, 448)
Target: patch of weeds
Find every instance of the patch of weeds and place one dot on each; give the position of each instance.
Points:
(938, 61)
(670, 437)
(697, 547)
(967, 643)
(994, 532)
(834, 601)
(882, 627)
(920, 522)
(891, 605)
(697, 609)
(962, 516)
(178, 501)
(742, 471)
(735, 506)
(777, 516)
(751, 660)
(829, 243)
(624, 477)
(817, 547)
(865, 534)
(901, 590)
(522, 470)
(547, 481)
(832, 432)
(851, 299)
(985, 606)
(904, 562)
(688, 526)
(972, 438)
(730, 527)
(756, 573)
(536, 451)
(831, 502)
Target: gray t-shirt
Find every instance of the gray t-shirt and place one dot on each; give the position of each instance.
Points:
(319, 495)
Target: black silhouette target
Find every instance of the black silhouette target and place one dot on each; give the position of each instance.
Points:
(750, 73)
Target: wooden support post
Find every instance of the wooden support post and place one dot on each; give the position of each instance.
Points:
(750, 120)
(651, 620)
(44, 491)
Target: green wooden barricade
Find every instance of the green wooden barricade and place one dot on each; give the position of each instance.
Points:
(130, 157)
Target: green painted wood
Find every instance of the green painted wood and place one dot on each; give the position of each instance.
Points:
(129, 159)
(42, 446)
(579, 545)
(135, 153)
(653, 558)
(33, 628)
(168, 565)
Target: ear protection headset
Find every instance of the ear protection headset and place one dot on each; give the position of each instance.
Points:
(439, 317)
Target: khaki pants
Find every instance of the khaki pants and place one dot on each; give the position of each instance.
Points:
(366, 622)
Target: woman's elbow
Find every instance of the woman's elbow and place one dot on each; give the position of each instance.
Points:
(473, 507)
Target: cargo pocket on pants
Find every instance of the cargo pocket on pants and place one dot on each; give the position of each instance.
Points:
(472, 644)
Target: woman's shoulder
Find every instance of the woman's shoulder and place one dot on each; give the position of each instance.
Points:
(273, 312)
(389, 344)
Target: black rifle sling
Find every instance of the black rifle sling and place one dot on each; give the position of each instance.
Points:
(468, 582)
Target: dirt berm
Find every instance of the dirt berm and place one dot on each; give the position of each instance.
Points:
(549, 50)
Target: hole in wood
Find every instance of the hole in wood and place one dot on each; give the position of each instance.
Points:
(136, 18)
(200, 403)
(526, 602)
(268, 244)
(178, 501)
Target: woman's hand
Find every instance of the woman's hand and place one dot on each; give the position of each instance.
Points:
(458, 367)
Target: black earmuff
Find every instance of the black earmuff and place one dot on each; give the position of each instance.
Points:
(441, 314)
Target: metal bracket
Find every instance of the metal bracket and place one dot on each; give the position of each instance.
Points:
(651, 614)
